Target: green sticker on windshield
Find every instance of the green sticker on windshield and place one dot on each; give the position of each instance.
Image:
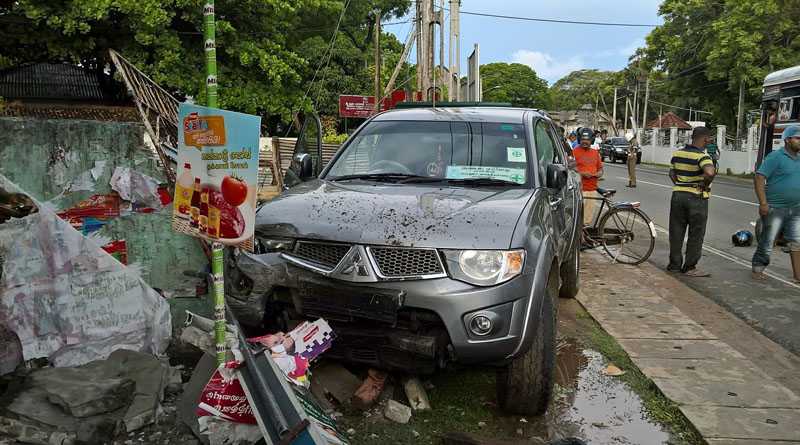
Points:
(516, 154)
(506, 127)
(472, 171)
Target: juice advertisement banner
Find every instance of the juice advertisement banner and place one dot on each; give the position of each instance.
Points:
(215, 193)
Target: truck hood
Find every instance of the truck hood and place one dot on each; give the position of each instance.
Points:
(411, 215)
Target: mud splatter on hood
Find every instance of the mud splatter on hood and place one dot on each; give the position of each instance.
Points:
(394, 214)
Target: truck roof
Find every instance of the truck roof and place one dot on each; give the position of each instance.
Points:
(783, 76)
(464, 114)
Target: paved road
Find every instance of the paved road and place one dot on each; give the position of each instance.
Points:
(772, 307)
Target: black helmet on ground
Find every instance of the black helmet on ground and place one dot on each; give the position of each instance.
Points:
(742, 238)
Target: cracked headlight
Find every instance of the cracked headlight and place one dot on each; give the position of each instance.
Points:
(271, 245)
(484, 267)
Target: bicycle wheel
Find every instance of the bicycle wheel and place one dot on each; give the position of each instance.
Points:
(628, 235)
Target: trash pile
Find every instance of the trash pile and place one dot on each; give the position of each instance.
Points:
(91, 403)
(223, 411)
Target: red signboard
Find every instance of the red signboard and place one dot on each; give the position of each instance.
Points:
(356, 106)
(364, 106)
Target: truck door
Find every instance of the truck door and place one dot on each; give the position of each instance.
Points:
(548, 155)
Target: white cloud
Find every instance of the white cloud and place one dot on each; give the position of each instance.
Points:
(628, 51)
(547, 66)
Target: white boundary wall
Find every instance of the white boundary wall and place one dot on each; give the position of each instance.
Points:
(734, 162)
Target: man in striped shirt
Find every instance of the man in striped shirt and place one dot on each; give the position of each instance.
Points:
(691, 173)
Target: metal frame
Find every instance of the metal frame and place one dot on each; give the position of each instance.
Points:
(157, 109)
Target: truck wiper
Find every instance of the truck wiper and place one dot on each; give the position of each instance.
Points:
(377, 177)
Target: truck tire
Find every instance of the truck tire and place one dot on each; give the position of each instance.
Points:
(524, 386)
(570, 272)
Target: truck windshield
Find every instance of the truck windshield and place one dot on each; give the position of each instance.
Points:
(445, 150)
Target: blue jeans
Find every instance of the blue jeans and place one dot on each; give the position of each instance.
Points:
(777, 220)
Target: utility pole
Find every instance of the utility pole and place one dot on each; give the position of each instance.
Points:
(424, 46)
(409, 43)
(377, 59)
(615, 112)
(739, 114)
(596, 101)
(454, 85)
(441, 65)
(625, 124)
(635, 105)
(644, 113)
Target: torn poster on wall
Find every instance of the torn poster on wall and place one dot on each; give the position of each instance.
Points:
(69, 300)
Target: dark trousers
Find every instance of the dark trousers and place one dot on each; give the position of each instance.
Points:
(687, 210)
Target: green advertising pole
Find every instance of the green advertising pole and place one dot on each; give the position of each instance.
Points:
(209, 35)
(217, 254)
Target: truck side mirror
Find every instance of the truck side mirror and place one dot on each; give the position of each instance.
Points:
(556, 176)
(304, 166)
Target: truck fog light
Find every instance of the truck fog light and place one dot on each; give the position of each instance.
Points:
(480, 325)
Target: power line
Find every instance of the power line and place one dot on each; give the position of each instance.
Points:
(571, 22)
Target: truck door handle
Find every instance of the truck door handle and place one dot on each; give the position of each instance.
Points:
(555, 202)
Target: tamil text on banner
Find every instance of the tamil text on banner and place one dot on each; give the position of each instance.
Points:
(215, 192)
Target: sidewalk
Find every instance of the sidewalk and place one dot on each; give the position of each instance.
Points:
(736, 386)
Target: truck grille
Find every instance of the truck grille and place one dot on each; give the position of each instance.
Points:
(324, 254)
(396, 262)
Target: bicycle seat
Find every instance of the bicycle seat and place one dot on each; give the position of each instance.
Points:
(606, 192)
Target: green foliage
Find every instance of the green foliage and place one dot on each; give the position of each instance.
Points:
(706, 47)
(268, 51)
(583, 87)
(515, 83)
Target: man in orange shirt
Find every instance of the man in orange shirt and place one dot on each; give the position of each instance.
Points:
(590, 167)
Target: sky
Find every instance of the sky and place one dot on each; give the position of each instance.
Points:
(553, 50)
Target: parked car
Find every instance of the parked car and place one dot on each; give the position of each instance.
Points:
(616, 149)
(434, 235)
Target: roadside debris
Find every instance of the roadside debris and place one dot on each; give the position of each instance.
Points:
(70, 301)
(416, 394)
(613, 371)
(397, 412)
(334, 380)
(91, 403)
(370, 389)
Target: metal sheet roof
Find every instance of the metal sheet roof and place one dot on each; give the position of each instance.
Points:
(61, 81)
(783, 76)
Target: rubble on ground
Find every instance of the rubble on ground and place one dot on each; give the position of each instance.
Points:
(92, 403)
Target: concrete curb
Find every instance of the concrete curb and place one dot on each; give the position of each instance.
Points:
(707, 369)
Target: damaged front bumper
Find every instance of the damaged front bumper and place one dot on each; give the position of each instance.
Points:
(413, 324)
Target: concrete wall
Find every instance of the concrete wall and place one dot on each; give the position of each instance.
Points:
(730, 162)
(46, 158)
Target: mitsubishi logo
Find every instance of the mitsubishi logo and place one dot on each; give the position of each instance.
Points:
(355, 267)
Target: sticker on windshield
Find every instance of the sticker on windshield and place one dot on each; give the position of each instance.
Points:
(471, 171)
(516, 154)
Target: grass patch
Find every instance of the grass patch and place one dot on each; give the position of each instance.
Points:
(459, 402)
(658, 406)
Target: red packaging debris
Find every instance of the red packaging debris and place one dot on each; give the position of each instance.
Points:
(119, 250)
(224, 397)
(97, 206)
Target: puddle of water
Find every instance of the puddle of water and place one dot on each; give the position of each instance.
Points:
(592, 406)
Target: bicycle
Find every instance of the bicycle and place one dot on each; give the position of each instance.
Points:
(626, 233)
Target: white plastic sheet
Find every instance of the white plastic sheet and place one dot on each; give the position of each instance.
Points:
(69, 300)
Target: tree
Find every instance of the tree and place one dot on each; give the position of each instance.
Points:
(515, 83)
(268, 51)
(707, 47)
(583, 87)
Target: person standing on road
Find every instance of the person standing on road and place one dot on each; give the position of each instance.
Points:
(573, 140)
(777, 185)
(633, 156)
(590, 167)
(691, 172)
(713, 152)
